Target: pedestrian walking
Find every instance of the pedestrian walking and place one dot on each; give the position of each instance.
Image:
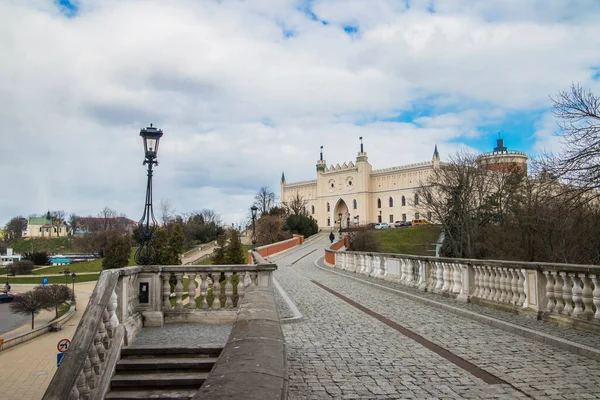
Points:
(331, 236)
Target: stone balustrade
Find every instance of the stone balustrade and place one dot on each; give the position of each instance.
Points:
(549, 289)
(124, 300)
(109, 321)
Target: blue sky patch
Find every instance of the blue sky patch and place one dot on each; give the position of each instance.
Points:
(68, 8)
(351, 30)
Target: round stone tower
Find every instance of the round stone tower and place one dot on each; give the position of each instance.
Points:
(503, 160)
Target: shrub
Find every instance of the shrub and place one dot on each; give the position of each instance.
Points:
(37, 257)
(23, 267)
(364, 240)
(116, 251)
(302, 225)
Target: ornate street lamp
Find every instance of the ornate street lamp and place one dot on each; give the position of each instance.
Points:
(348, 220)
(340, 218)
(254, 210)
(73, 276)
(146, 254)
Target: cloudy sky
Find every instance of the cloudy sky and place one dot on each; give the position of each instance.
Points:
(247, 89)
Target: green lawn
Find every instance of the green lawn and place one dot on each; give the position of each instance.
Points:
(54, 245)
(418, 241)
(37, 280)
(87, 266)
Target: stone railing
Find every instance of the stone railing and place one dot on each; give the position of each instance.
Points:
(552, 290)
(274, 248)
(193, 293)
(253, 363)
(109, 321)
(126, 299)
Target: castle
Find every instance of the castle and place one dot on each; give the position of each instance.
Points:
(355, 194)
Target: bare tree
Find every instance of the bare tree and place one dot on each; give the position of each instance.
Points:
(578, 165)
(55, 295)
(57, 219)
(108, 219)
(73, 223)
(297, 205)
(264, 200)
(15, 227)
(29, 303)
(166, 211)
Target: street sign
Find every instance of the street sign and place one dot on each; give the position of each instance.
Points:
(63, 345)
(59, 358)
(44, 281)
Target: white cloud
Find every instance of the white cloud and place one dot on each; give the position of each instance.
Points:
(239, 102)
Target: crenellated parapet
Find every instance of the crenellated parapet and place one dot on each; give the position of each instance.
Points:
(344, 167)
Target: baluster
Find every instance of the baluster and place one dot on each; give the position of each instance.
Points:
(596, 280)
(476, 282)
(456, 288)
(549, 291)
(402, 270)
(503, 291)
(228, 290)
(558, 292)
(94, 358)
(178, 290)
(587, 295)
(445, 277)
(82, 387)
(567, 292)
(409, 272)
(192, 290)
(514, 286)
(203, 290)
(254, 278)
(241, 287)
(520, 287)
(439, 276)
(485, 278)
(577, 295)
(216, 287)
(498, 284)
(99, 341)
(492, 283)
(166, 291)
(87, 371)
(384, 269)
(111, 307)
(109, 328)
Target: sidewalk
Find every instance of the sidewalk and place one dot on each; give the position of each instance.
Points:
(28, 368)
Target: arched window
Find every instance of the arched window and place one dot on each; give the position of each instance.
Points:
(312, 209)
(403, 200)
(378, 203)
(391, 202)
(328, 209)
(416, 199)
(355, 204)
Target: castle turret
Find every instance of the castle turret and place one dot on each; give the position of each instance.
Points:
(503, 160)
(436, 157)
(282, 178)
(321, 164)
(362, 156)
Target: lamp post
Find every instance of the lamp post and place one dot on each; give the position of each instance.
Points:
(73, 276)
(340, 218)
(146, 254)
(66, 272)
(254, 210)
(348, 221)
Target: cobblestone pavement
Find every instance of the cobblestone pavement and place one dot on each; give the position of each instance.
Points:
(337, 351)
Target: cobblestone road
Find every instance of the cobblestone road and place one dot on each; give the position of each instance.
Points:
(338, 351)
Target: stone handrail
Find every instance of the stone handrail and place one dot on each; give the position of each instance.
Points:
(253, 362)
(109, 320)
(550, 289)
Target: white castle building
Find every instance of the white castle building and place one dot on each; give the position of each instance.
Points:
(360, 194)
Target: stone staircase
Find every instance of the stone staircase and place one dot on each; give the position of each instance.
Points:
(159, 372)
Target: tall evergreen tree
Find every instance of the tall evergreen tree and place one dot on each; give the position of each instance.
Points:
(233, 254)
(219, 257)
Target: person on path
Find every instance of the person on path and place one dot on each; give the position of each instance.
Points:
(7, 288)
(331, 236)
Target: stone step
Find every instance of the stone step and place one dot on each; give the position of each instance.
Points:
(140, 365)
(163, 380)
(158, 350)
(158, 394)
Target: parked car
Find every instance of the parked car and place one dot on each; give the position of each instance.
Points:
(399, 224)
(371, 225)
(7, 297)
(382, 225)
(417, 222)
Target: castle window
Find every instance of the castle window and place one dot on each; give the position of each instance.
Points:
(403, 200)
(391, 203)
(379, 204)
(417, 216)
(403, 217)
(312, 209)
(355, 204)
(416, 199)
(328, 221)
(391, 218)
(429, 215)
(328, 209)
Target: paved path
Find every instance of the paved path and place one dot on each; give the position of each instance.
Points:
(26, 369)
(341, 351)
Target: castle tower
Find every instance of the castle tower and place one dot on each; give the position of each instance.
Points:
(436, 157)
(503, 160)
(321, 164)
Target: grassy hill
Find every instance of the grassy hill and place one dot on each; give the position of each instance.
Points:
(419, 241)
(55, 245)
